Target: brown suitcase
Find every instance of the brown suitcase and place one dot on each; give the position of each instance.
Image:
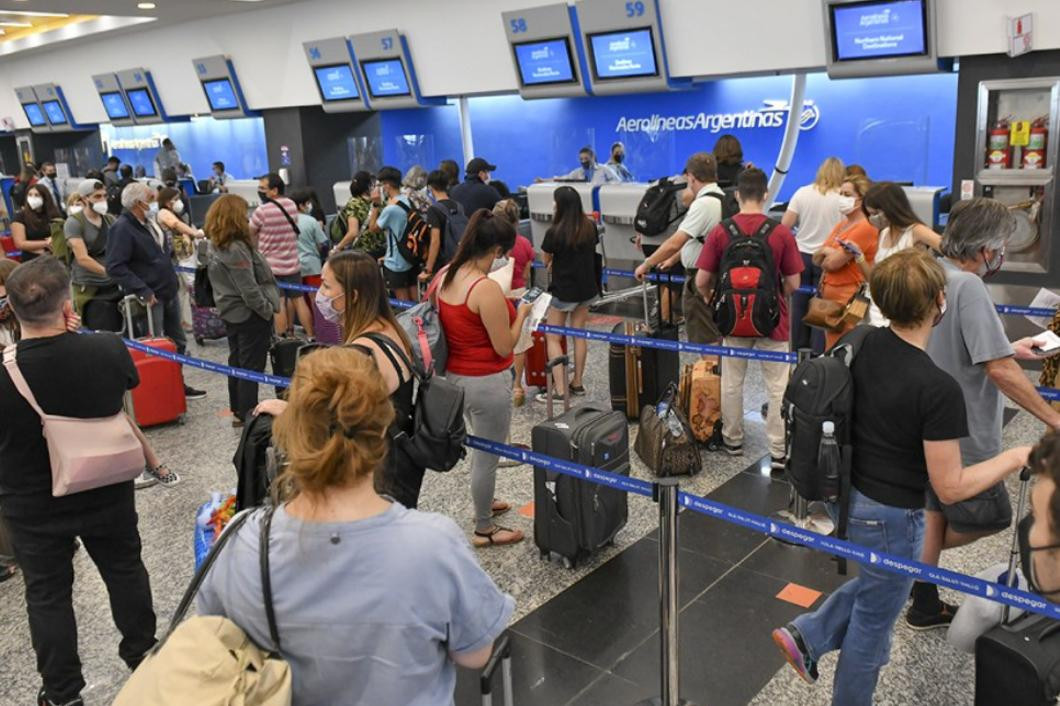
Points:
(704, 399)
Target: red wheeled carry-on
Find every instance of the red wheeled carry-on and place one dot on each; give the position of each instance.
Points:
(159, 398)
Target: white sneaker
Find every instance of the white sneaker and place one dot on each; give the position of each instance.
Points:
(145, 480)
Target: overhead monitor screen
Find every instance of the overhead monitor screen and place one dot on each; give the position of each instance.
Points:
(336, 82)
(386, 77)
(54, 110)
(544, 62)
(220, 94)
(627, 54)
(115, 105)
(142, 104)
(874, 30)
(34, 114)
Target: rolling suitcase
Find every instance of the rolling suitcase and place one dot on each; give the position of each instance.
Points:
(702, 406)
(536, 357)
(283, 355)
(8, 244)
(159, 398)
(639, 375)
(501, 657)
(573, 518)
(1018, 662)
(206, 323)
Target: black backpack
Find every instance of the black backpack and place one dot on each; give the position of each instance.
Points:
(821, 390)
(256, 462)
(729, 205)
(114, 198)
(747, 298)
(455, 225)
(414, 244)
(659, 208)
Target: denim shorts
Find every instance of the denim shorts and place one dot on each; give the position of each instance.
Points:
(567, 307)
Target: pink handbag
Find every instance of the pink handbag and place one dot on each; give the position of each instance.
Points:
(85, 453)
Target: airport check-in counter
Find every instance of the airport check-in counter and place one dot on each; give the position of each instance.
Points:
(926, 202)
(539, 197)
(247, 188)
(618, 208)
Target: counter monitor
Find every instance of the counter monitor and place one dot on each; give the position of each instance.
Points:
(34, 114)
(386, 77)
(54, 111)
(220, 94)
(114, 104)
(336, 82)
(142, 103)
(544, 62)
(874, 29)
(626, 54)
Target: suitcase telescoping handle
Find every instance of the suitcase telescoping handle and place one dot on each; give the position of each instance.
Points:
(559, 360)
(1014, 550)
(502, 655)
(127, 305)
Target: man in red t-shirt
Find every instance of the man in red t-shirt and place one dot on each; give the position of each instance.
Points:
(751, 194)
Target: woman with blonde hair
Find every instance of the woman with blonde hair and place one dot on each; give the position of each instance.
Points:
(374, 603)
(246, 296)
(812, 212)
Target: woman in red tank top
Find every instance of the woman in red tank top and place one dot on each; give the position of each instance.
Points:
(481, 327)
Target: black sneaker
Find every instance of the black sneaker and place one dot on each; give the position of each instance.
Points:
(192, 394)
(43, 700)
(732, 449)
(778, 463)
(927, 620)
(789, 640)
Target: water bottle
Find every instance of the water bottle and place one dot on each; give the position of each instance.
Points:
(828, 463)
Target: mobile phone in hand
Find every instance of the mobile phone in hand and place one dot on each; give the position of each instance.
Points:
(532, 294)
(1046, 343)
(849, 247)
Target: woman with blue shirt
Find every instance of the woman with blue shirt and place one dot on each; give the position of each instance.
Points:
(400, 275)
(374, 603)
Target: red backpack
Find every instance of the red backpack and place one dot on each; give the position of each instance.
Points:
(747, 298)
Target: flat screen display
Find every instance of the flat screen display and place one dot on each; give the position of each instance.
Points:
(544, 62)
(54, 110)
(336, 82)
(874, 30)
(386, 77)
(627, 54)
(220, 94)
(142, 104)
(34, 114)
(115, 105)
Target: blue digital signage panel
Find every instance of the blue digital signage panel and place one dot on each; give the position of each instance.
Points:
(874, 30)
(626, 54)
(34, 114)
(220, 94)
(544, 62)
(115, 105)
(386, 77)
(336, 82)
(54, 111)
(142, 103)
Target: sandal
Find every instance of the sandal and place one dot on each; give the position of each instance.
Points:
(500, 507)
(490, 539)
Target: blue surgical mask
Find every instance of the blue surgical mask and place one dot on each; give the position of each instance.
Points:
(326, 307)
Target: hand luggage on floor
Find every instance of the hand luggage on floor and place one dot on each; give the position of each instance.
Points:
(206, 323)
(573, 518)
(8, 245)
(702, 406)
(502, 657)
(536, 357)
(159, 398)
(639, 375)
(255, 461)
(284, 355)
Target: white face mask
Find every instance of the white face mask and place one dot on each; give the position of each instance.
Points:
(178, 207)
(152, 207)
(879, 220)
(75, 209)
(34, 202)
(100, 207)
(846, 204)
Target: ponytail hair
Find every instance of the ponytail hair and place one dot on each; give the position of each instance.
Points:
(485, 231)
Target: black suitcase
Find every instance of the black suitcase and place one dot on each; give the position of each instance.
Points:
(573, 518)
(653, 369)
(283, 355)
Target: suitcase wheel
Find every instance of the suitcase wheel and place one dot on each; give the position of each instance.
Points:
(182, 419)
(568, 563)
(200, 340)
(543, 556)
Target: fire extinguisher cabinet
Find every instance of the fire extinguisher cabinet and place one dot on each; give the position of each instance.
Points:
(1021, 171)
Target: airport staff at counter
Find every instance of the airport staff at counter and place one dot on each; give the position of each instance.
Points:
(167, 157)
(615, 164)
(219, 179)
(475, 191)
(590, 170)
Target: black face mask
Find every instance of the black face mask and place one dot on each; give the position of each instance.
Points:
(1023, 532)
(618, 157)
(586, 165)
(262, 196)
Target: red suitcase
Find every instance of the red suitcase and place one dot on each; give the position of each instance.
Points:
(159, 398)
(7, 244)
(536, 357)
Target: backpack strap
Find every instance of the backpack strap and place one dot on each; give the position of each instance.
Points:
(285, 215)
(266, 579)
(392, 351)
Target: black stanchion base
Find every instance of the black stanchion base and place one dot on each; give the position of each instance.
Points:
(657, 701)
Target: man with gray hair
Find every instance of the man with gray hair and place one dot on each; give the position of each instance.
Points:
(140, 260)
(54, 362)
(970, 344)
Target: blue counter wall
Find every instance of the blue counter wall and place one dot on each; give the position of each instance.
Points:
(899, 128)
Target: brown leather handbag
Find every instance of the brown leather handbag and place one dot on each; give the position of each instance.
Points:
(665, 442)
(857, 308)
(824, 314)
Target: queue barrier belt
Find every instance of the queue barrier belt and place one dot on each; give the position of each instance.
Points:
(963, 583)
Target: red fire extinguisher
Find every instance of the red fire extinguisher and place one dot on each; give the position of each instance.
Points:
(1034, 153)
(997, 151)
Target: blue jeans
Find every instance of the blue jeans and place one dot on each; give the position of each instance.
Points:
(169, 321)
(803, 336)
(858, 619)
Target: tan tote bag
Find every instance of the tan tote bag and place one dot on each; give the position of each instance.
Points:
(84, 453)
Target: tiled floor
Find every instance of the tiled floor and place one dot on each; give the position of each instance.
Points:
(587, 636)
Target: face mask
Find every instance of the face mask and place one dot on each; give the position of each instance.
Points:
(618, 158)
(34, 202)
(262, 196)
(846, 204)
(178, 207)
(990, 268)
(100, 207)
(50, 175)
(327, 308)
(75, 209)
(586, 164)
(1023, 532)
(152, 208)
(938, 317)
(879, 220)
(217, 172)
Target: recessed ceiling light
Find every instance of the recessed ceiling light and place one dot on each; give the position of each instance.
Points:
(146, 5)
(4, 23)
(32, 13)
